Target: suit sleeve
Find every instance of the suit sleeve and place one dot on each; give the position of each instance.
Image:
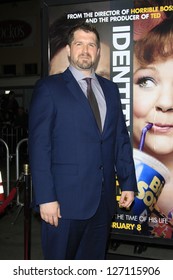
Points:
(124, 154)
(41, 118)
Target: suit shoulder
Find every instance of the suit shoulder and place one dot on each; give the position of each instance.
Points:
(106, 81)
(49, 79)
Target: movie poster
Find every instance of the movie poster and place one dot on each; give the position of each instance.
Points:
(137, 54)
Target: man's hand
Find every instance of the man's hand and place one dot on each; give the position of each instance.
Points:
(126, 199)
(50, 212)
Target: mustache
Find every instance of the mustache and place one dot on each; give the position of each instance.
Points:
(85, 55)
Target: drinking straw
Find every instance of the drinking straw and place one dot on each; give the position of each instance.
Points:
(170, 214)
(143, 134)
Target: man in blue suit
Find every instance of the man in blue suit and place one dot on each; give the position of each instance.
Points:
(73, 161)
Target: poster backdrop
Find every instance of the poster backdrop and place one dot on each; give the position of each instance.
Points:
(137, 54)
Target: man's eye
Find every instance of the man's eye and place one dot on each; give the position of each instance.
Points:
(92, 45)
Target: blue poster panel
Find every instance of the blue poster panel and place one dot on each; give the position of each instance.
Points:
(137, 54)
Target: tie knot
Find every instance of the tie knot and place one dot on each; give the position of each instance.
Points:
(88, 81)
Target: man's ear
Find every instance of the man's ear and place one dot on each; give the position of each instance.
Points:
(98, 58)
(68, 50)
(98, 51)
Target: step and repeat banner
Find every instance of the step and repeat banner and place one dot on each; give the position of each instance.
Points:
(137, 54)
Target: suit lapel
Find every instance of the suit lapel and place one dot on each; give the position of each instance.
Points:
(78, 94)
(108, 101)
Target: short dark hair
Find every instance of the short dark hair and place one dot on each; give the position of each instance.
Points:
(85, 27)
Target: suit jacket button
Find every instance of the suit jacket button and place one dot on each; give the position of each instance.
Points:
(101, 167)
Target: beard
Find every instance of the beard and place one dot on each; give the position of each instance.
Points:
(84, 62)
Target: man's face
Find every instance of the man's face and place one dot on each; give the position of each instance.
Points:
(83, 51)
(60, 62)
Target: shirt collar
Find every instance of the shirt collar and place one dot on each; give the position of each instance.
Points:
(78, 75)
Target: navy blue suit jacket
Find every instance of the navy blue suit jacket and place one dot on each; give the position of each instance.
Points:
(69, 157)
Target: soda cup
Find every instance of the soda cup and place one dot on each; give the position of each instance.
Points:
(151, 176)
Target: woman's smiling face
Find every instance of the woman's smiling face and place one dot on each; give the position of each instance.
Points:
(153, 103)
